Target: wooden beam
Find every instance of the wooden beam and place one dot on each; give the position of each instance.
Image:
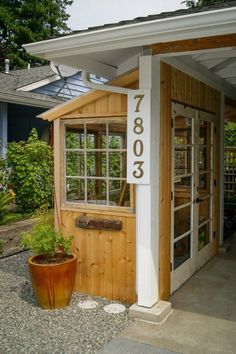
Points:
(222, 65)
(93, 115)
(165, 184)
(188, 45)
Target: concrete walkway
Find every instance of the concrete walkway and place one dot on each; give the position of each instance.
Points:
(203, 320)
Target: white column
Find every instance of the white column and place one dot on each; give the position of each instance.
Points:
(222, 153)
(3, 128)
(147, 200)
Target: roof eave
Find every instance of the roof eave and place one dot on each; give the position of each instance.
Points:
(27, 101)
(202, 24)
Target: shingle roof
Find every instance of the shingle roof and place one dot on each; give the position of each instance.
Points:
(9, 83)
(163, 15)
(29, 76)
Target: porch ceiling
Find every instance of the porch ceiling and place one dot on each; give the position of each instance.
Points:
(222, 63)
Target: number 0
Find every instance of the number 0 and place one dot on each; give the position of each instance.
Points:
(138, 148)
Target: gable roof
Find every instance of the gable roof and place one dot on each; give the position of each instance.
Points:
(40, 86)
(9, 84)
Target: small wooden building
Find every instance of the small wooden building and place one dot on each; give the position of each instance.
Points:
(139, 162)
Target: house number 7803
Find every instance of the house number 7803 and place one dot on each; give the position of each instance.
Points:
(138, 146)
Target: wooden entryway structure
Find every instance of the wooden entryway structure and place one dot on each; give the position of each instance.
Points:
(142, 241)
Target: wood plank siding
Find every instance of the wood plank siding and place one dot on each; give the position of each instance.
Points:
(106, 259)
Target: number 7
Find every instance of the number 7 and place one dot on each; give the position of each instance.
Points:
(139, 98)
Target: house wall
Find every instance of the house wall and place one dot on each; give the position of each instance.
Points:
(180, 87)
(21, 120)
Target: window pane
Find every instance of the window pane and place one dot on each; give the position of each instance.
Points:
(117, 136)
(117, 165)
(183, 160)
(204, 210)
(97, 191)
(96, 164)
(203, 236)
(182, 251)
(74, 163)
(205, 133)
(204, 159)
(183, 130)
(75, 136)
(182, 221)
(75, 190)
(204, 183)
(96, 136)
(183, 190)
(119, 193)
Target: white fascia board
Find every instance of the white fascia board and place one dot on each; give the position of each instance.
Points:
(199, 72)
(88, 64)
(27, 101)
(203, 24)
(38, 84)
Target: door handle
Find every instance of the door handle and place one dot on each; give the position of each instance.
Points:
(198, 200)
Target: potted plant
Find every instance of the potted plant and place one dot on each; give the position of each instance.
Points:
(52, 267)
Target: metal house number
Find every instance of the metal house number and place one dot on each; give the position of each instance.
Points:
(138, 131)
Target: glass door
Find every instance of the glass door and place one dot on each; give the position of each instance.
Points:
(183, 193)
(204, 186)
(192, 175)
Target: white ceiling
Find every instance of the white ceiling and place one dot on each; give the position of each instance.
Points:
(222, 63)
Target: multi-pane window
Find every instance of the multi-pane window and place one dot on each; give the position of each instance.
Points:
(95, 163)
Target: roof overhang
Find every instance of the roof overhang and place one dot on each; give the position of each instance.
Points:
(26, 101)
(111, 51)
(202, 24)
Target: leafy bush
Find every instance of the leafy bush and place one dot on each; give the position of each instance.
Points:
(7, 197)
(44, 240)
(5, 202)
(31, 172)
(4, 175)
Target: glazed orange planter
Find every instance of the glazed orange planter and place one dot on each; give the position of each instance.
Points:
(53, 283)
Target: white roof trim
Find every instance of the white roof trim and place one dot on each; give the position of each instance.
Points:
(27, 101)
(202, 24)
(38, 84)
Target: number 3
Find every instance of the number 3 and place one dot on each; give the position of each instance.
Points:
(138, 173)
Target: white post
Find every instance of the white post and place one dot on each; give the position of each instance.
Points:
(222, 153)
(147, 201)
(3, 128)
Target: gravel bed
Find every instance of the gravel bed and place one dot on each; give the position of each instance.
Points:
(26, 328)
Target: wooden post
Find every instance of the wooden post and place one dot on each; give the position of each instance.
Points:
(57, 174)
(147, 201)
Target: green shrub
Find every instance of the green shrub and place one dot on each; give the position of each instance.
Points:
(44, 240)
(6, 216)
(31, 168)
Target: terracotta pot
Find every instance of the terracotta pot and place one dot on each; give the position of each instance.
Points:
(53, 283)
